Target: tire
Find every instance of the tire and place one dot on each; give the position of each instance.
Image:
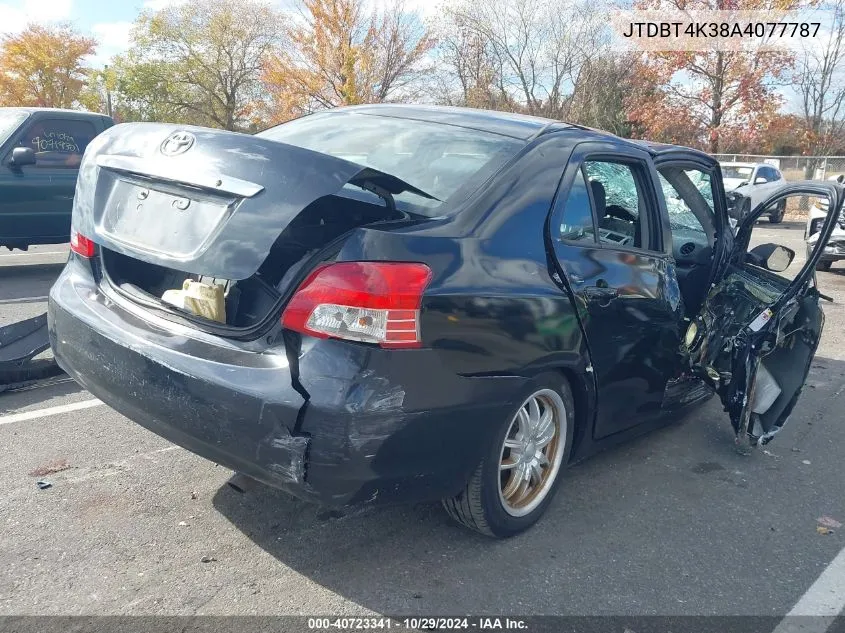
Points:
(823, 266)
(482, 506)
(776, 217)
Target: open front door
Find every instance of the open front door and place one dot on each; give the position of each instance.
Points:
(761, 323)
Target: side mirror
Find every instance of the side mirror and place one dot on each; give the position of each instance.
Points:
(759, 180)
(22, 156)
(771, 257)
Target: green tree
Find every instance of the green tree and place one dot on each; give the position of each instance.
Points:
(198, 62)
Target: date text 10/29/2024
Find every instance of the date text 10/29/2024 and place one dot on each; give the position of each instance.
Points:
(418, 624)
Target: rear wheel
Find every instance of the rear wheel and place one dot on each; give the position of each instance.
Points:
(516, 480)
(823, 266)
(776, 216)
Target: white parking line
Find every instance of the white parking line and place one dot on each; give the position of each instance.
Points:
(30, 253)
(824, 600)
(4, 302)
(43, 413)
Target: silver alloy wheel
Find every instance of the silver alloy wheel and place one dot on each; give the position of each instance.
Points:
(532, 452)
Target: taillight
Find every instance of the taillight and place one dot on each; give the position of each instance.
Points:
(80, 244)
(373, 302)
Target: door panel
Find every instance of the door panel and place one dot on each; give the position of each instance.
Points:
(38, 198)
(632, 319)
(35, 206)
(627, 297)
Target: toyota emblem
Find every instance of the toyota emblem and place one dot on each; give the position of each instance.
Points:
(177, 143)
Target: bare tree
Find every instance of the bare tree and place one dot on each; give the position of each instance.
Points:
(601, 91)
(517, 54)
(467, 70)
(820, 81)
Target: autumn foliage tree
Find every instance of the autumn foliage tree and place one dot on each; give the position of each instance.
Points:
(340, 52)
(712, 95)
(43, 66)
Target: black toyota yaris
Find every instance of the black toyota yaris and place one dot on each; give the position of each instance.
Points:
(401, 303)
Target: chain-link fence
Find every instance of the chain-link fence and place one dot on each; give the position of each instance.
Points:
(794, 168)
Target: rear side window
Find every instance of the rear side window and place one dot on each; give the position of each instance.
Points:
(58, 143)
(619, 203)
(576, 222)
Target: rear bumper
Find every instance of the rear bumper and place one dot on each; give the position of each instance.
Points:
(377, 425)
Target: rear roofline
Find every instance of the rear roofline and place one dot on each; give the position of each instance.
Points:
(518, 126)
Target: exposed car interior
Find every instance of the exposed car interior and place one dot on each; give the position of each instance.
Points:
(616, 200)
(735, 310)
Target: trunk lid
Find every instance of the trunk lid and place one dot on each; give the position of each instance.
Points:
(204, 201)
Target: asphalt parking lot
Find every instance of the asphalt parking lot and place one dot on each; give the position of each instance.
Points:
(673, 523)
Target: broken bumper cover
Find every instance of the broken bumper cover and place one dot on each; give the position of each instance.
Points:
(834, 250)
(378, 425)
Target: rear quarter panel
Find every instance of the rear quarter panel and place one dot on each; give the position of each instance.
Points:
(495, 306)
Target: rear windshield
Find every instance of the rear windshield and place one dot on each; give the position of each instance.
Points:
(9, 122)
(732, 171)
(445, 161)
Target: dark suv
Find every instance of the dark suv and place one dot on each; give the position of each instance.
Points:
(40, 150)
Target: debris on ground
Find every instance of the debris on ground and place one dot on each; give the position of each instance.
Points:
(195, 495)
(182, 524)
(829, 522)
(795, 449)
(43, 485)
(50, 468)
(208, 559)
(823, 530)
(806, 462)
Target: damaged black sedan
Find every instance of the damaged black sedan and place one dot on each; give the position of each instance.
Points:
(399, 303)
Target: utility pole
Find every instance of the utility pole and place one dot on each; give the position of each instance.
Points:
(108, 92)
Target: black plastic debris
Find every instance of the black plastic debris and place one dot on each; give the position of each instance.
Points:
(43, 485)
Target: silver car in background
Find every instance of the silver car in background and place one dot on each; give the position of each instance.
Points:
(835, 249)
(755, 181)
